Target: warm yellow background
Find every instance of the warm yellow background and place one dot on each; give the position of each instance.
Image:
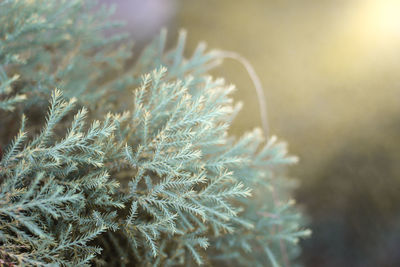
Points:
(330, 68)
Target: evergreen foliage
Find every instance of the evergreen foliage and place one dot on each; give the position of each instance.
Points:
(149, 178)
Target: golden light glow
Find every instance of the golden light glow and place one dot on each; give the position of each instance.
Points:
(380, 19)
(367, 36)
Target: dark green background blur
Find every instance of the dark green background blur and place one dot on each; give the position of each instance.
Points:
(331, 74)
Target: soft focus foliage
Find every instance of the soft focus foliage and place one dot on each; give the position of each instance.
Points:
(151, 178)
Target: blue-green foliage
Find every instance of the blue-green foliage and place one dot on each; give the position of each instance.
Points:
(273, 213)
(178, 184)
(32, 36)
(56, 193)
(160, 183)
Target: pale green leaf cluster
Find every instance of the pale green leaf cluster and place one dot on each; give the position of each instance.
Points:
(32, 34)
(131, 166)
(56, 194)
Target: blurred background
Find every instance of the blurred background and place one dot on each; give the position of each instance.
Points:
(331, 75)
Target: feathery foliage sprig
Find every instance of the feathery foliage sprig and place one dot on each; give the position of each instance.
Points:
(55, 191)
(149, 178)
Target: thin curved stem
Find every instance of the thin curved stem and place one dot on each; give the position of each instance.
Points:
(256, 82)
